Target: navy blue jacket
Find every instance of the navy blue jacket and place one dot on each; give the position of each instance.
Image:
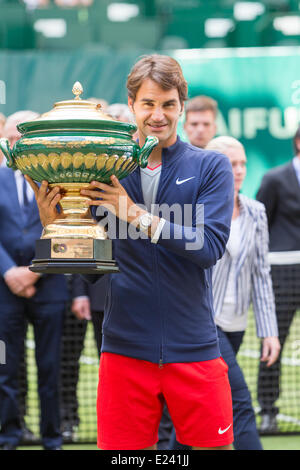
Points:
(17, 243)
(159, 307)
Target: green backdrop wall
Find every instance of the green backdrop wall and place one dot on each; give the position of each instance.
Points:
(258, 90)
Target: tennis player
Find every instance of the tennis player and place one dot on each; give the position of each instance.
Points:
(159, 337)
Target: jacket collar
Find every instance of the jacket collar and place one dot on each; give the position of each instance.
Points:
(170, 154)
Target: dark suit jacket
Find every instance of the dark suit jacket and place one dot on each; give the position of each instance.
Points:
(96, 292)
(280, 193)
(17, 242)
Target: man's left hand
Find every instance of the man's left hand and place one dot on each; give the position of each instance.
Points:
(114, 198)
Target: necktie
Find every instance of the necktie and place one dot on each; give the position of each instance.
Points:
(25, 197)
(25, 200)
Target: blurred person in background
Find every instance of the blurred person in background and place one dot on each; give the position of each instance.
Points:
(86, 304)
(27, 435)
(26, 297)
(280, 193)
(242, 275)
(120, 112)
(200, 120)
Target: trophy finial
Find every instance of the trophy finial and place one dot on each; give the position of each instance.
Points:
(77, 90)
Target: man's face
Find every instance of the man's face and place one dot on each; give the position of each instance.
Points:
(157, 112)
(200, 127)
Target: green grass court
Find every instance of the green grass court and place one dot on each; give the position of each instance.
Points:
(289, 401)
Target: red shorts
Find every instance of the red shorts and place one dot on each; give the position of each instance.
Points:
(131, 395)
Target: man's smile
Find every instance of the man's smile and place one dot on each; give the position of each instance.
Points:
(156, 127)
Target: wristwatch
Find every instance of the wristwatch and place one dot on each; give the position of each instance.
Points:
(145, 221)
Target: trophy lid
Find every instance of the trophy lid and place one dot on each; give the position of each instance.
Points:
(76, 114)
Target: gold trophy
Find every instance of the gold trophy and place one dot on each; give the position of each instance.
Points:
(70, 146)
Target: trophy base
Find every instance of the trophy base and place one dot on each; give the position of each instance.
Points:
(71, 256)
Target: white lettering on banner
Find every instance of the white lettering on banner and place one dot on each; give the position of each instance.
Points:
(2, 92)
(254, 119)
(221, 125)
(2, 353)
(287, 128)
(235, 122)
(247, 123)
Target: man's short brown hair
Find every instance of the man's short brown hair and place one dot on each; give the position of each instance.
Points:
(163, 70)
(202, 103)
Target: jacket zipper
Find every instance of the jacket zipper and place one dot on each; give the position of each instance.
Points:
(161, 364)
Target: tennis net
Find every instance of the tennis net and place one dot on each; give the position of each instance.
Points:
(274, 390)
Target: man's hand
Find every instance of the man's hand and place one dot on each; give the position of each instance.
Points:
(113, 197)
(81, 307)
(28, 292)
(21, 280)
(47, 200)
(270, 350)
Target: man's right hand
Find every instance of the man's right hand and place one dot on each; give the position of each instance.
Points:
(47, 200)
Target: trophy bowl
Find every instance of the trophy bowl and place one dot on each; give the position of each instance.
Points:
(70, 146)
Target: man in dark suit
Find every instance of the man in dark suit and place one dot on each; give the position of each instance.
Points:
(26, 296)
(280, 193)
(87, 304)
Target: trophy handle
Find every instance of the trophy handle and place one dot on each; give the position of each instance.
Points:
(143, 155)
(4, 146)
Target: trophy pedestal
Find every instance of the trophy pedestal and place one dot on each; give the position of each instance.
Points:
(71, 256)
(74, 242)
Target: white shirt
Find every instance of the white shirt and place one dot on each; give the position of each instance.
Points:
(19, 183)
(228, 320)
(150, 180)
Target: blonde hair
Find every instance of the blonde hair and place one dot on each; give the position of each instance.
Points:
(224, 142)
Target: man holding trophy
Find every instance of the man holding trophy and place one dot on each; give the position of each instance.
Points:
(159, 338)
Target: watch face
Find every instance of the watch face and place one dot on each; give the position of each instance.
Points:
(146, 220)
